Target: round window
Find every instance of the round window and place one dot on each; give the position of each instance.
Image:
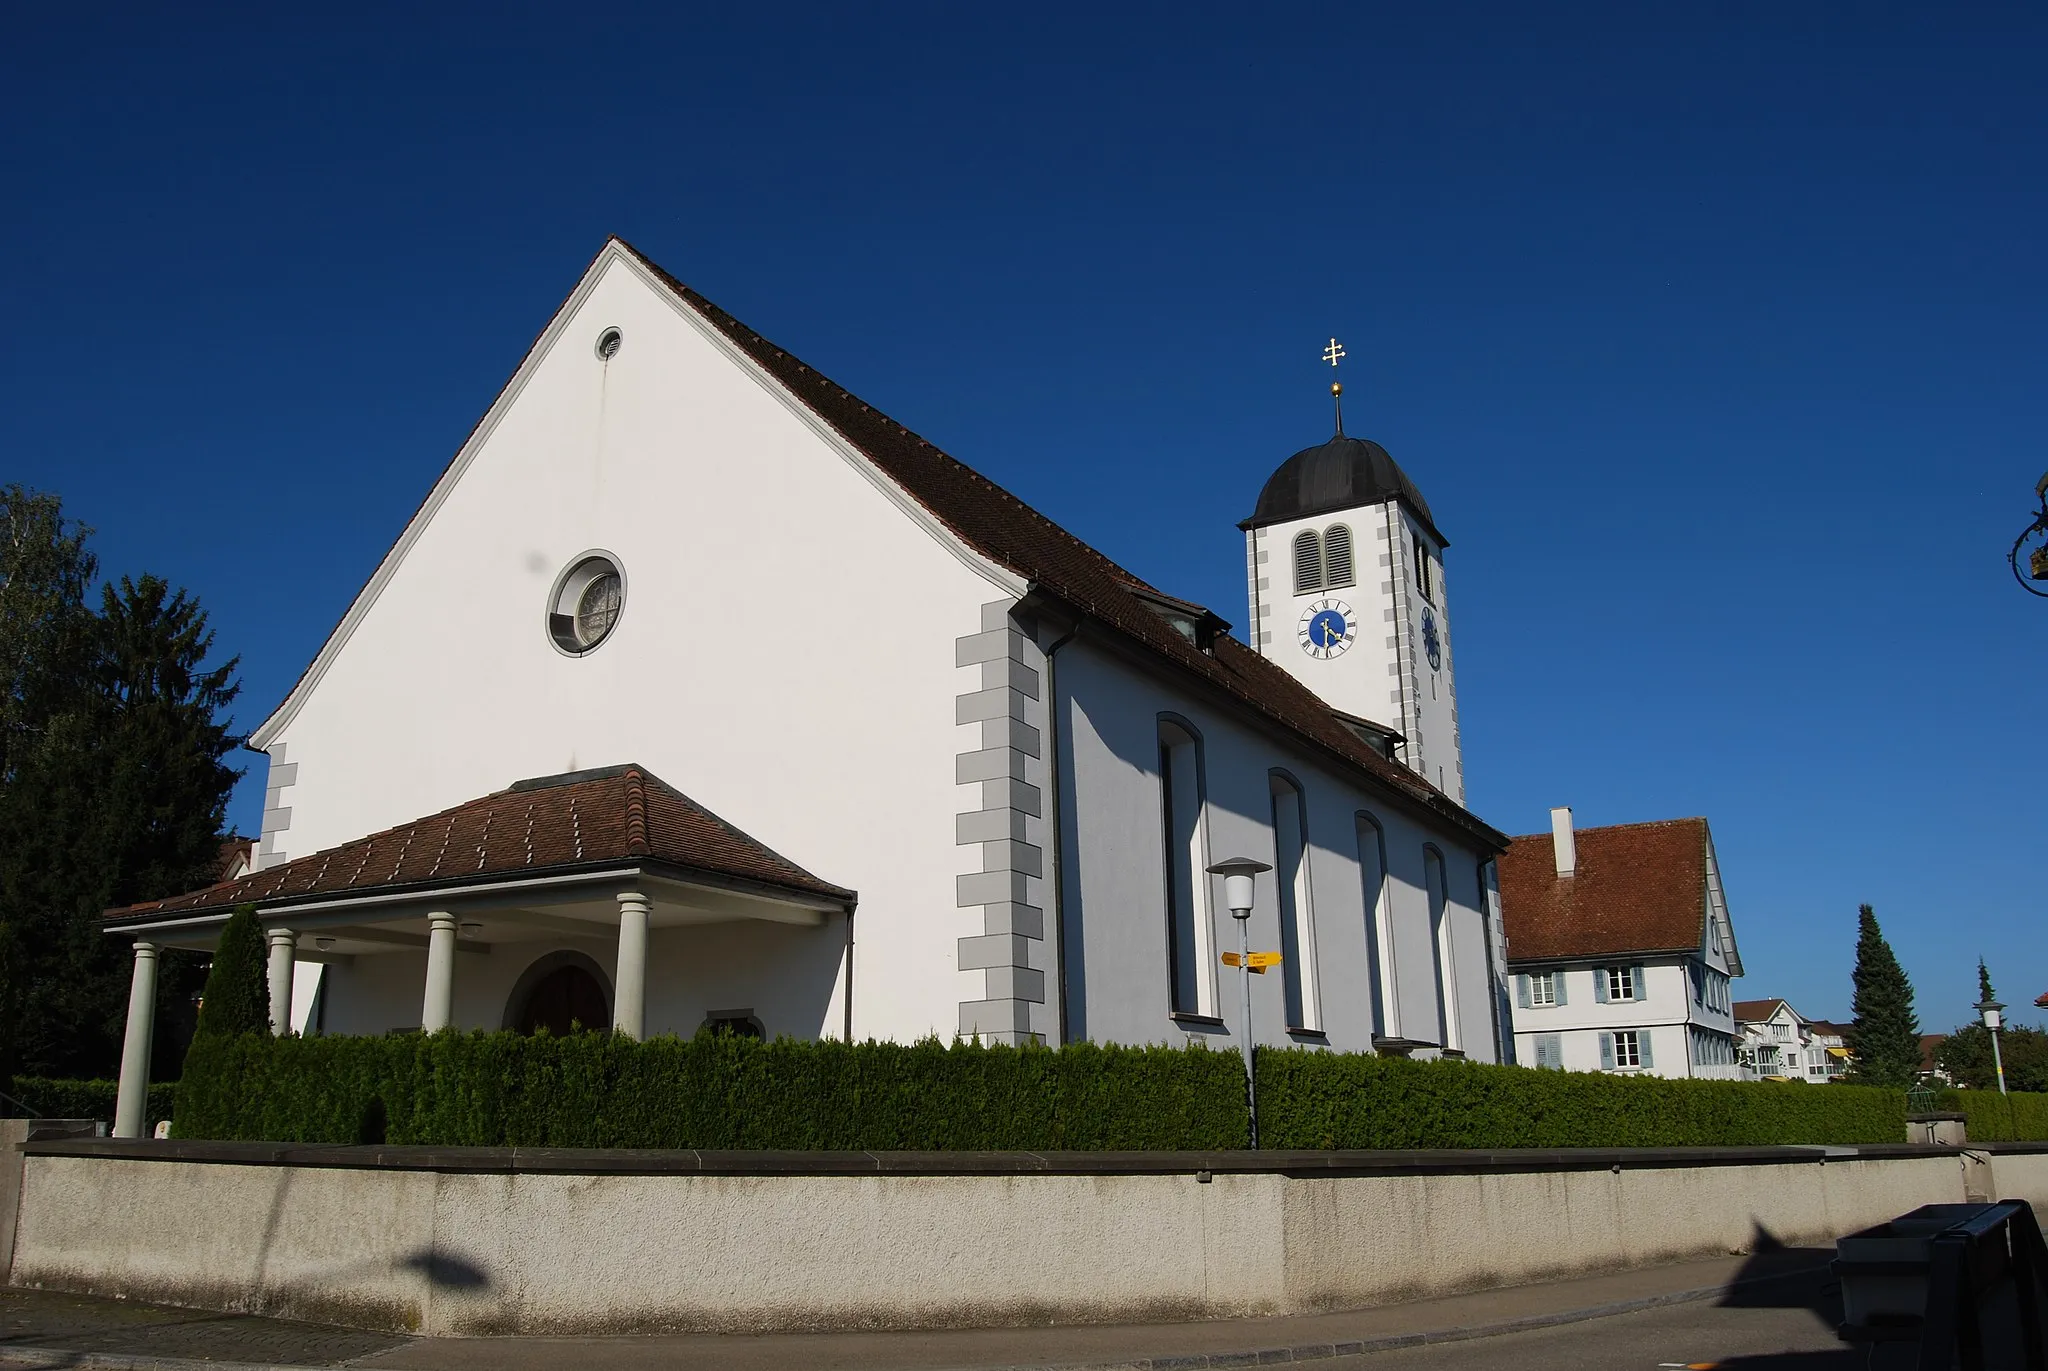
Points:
(586, 603)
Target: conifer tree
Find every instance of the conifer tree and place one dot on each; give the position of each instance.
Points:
(1984, 992)
(113, 789)
(1885, 1037)
(237, 995)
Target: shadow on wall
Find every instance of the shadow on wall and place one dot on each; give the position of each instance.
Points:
(445, 1272)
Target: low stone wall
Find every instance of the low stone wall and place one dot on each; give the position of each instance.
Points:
(484, 1240)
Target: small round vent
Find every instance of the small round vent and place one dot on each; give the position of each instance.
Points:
(608, 344)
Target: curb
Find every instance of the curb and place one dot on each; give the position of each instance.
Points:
(71, 1360)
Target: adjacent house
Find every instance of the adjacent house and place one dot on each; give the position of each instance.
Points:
(1620, 949)
(1778, 1043)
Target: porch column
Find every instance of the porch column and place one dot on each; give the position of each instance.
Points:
(284, 944)
(629, 995)
(439, 1011)
(131, 1105)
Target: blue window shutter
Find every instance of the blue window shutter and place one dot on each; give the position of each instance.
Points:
(1557, 980)
(1521, 992)
(1600, 985)
(1638, 982)
(1550, 1051)
(1643, 1049)
(1607, 1052)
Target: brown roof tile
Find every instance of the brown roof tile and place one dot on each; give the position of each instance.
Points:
(557, 823)
(1638, 888)
(1755, 1011)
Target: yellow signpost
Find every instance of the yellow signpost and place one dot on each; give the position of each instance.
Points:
(1255, 962)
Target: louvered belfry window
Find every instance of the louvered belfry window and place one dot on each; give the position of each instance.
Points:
(1337, 556)
(1308, 562)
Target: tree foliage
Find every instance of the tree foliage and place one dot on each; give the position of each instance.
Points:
(1966, 1056)
(1885, 1037)
(237, 996)
(113, 788)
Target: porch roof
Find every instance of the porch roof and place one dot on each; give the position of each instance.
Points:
(548, 826)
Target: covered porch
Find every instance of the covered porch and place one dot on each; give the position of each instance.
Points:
(602, 899)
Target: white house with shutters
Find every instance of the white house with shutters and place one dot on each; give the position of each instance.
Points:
(698, 691)
(1620, 949)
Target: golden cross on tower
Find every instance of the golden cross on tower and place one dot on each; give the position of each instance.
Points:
(1334, 354)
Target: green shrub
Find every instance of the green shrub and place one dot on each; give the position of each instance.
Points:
(1310, 1099)
(719, 1091)
(86, 1099)
(1991, 1117)
(237, 995)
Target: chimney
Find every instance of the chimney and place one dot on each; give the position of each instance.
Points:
(1561, 839)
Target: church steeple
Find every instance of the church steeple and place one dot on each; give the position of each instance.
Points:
(1345, 569)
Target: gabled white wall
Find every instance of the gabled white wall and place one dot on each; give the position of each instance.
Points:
(785, 654)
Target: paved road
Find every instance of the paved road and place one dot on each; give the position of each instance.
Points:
(1786, 1326)
(1784, 1322)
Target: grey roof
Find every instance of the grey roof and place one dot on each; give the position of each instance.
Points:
(1340, 474)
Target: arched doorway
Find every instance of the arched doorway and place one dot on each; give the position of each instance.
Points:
(562, 992)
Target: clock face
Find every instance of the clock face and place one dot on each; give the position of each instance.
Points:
(1327, 628)
(1432, 647)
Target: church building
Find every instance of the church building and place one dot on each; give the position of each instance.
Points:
(698, 691)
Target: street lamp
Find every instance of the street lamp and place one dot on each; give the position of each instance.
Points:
(2034, 577)
(1237, 874)
(1993, 1016)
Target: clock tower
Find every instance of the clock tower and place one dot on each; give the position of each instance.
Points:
(1346, 574)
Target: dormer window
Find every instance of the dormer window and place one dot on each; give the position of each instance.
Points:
(1308, 562)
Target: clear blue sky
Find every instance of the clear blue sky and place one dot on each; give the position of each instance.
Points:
(1713, 334)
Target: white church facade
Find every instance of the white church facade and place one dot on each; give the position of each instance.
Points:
(699, 691)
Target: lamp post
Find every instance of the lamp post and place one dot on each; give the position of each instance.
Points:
(2029, 555)
(1993, 1014)
(1237, 874)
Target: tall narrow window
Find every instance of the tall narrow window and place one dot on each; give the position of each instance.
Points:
(1446, 958)
(1379, 927)
(1190, 953)
(1422, 577)
(1308, 562)
(1297, 909)
(1337, 557)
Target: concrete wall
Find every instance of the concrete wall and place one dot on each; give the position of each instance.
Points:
(484, 1241)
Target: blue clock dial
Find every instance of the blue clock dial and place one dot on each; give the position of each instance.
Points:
(1327, 628)
(1431, 646)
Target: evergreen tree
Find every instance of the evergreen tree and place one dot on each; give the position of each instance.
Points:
(1885, 1037)
(1984, 992)
(237, 997)
(113, 789)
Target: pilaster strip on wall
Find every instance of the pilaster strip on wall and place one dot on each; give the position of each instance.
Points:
(277, 815)
(1404, 649)
(1003, 823)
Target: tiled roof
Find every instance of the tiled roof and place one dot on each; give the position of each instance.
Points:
(1007, 531)
(1755, 1011)
(1638, 888)
(558, 823)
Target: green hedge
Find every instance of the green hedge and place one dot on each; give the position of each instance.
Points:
(712, 1091)
(52, 1099)
(1991, 1117)
(1312, 1099)
(719, 1091)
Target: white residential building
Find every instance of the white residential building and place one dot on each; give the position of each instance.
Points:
(1620, 949)
(1778, 1043)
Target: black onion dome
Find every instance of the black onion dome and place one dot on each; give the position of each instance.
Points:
(1340, 474)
